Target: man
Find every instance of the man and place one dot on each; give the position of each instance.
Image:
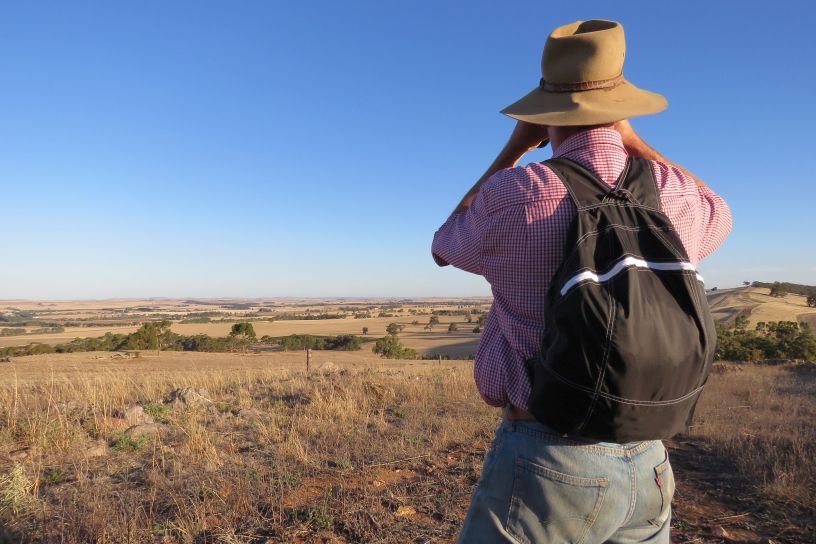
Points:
(511, 227)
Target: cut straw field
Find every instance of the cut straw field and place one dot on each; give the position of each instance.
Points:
(758, 305)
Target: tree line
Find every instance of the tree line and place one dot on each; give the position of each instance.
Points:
(768, 340)
(783, 288)
(156, 335)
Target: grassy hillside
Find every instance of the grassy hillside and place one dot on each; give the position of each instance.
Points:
(757, 305)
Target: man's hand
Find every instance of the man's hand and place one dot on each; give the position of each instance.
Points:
(636, 147)
(527, 136)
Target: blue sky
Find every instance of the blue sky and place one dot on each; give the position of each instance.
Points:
(312, 148)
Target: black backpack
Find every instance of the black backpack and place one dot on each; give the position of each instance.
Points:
(629, 337)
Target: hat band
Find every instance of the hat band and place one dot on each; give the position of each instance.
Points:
(581, 85)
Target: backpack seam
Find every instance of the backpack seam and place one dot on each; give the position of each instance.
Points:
(612, 226)
(623, 400)
(613, 310)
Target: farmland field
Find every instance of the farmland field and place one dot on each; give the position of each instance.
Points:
(281, 318)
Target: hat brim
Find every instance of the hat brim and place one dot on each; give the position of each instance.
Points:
(595, 107)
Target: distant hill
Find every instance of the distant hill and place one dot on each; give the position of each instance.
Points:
(757, 305)
(795, 288)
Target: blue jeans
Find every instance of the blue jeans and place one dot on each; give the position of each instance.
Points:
(537, 487)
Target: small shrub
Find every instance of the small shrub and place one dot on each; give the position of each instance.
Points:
(53, 475)
(125, 443)
(158, 412)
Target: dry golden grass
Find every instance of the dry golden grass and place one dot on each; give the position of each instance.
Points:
(762, 306)
(66, 336)
(384, 451)
(333, 454)
(762, 420)
(788, 308)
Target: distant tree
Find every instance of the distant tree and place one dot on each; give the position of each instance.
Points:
(391, 348)
(778, 290)
(469, 319)
(453, 327)
(477, 330)
(741, 323)
(152, 335)
(392, 329)
(434, 320)
(746, 283)
(244, 331)
(482, 320)
(811, 299)
(365, 330)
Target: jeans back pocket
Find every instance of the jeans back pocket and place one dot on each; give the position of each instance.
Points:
(550, 506)
(664, 478)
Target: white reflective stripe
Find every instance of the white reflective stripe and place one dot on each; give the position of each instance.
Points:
(626, 262)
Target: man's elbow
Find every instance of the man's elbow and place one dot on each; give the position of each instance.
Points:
(439, 260)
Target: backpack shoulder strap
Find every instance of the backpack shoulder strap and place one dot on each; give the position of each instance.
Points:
(640, 183)
(585, 189)
(636, 179)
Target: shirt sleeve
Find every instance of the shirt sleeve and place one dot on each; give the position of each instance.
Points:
(716, 221)
(459, 240)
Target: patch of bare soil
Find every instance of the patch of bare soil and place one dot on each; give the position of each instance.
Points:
(715, 503)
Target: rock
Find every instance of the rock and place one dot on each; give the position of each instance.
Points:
(135, 415)
(722, 533)
(249, 413)
(20, 454)
(405, 511)
(148, 429)
(97, 449)
(328, 368)
(189, 396)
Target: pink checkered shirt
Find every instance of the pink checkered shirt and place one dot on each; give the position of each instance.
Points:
(514, 232)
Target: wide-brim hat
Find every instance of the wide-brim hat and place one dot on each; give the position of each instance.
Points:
(582, 80)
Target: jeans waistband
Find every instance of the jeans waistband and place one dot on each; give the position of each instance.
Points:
(542, 432)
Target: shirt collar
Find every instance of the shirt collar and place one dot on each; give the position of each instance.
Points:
(592, 138)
